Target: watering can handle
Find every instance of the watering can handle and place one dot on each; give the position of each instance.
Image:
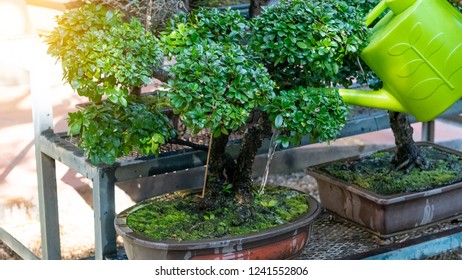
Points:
(396, 6)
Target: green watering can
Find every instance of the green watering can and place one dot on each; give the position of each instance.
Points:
(416, 50)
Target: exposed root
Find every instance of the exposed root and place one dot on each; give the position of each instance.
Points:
(410, 163)
(242, 215)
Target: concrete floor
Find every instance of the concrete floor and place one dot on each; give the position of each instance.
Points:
(20, 44)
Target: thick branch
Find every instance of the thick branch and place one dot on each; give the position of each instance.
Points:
(189, 144)
(161, 75)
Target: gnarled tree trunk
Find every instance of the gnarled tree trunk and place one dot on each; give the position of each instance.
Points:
(242, 179)
(408, 153)
(215, 177)
(251, 142)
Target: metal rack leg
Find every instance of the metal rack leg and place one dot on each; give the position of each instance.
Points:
(428, 131)
(48, 203)
(42, 114)
(104, 213)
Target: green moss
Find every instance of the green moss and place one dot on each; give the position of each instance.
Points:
(177, 217)
(376, 173)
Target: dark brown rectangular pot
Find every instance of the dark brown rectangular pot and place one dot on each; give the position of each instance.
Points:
(388, 215)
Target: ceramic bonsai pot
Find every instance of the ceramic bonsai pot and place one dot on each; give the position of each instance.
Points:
(282, 242)
(388, 214)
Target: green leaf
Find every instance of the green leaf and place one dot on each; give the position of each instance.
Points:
(109, 15)
(216, 133)
(285, 142)
(108, 158)
(146, 80)
(75, 127)
(278, 121)
(224, 131)
(416, 33)
(123, 101)
(410, 68)
(158, 138)
(113, 98)
(302, 45)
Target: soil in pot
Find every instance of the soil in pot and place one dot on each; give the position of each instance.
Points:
(175, 226)
(372, 193)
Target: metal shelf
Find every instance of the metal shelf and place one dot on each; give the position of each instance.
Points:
(335, 238)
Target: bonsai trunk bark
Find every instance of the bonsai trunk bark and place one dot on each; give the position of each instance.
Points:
(256, 7)
(216, 178)
(161, 75)
(408, 155)
(243, 182)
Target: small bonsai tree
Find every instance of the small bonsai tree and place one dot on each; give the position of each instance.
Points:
(107, 60)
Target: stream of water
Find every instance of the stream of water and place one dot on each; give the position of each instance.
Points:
(271, 150)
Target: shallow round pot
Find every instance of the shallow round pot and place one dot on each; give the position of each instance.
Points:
(282, 242)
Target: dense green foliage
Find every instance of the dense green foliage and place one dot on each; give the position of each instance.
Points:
(109, 130)
(307, 111)
(101, 54)
(298, 42)
(217, 87)
(217, 84)
(204, 26)
(176, 216)
(310, 43)
(104, 58)
(280, 66)
(377, 173)
(153, 14)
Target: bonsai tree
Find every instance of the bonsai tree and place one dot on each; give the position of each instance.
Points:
(107, 60)
(276, 72)
(279, 68)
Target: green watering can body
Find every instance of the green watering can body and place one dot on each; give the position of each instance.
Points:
(416, 50)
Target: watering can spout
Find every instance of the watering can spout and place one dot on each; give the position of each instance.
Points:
(379, 99)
